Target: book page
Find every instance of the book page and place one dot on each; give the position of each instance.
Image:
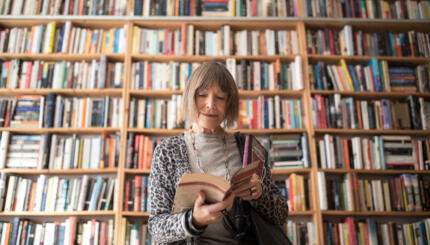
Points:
(189, 186)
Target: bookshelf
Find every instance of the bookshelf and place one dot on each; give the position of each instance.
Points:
(121, 173)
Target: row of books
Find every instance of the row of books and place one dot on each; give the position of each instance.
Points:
(57, 194)
(406, 192)
(371, 9)
(249, 75)
(136, 233)
(220, 8)
(401, 193)
(270, 113)
(53, 151)
(288, 151)
(277, 75)
(67, 7)
(301, 232)
(37, 74)
(295, 189)
(333, 111)
(25, 231)
(136, 196)
(148, 75)
(369, 231)
(373, 152)
(22, 111)
(156, 113)
(226, 41)
(139, 150)
(328, 41)
(36, 111)
(377, 75)
(47, 38)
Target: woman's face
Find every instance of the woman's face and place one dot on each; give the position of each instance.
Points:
(211, 105)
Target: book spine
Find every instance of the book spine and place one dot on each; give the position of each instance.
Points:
(246, 152)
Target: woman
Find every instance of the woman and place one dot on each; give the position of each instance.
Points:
(210, 98)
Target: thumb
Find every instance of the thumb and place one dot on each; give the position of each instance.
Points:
(200, 199)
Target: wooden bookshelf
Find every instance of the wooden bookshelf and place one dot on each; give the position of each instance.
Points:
(300, 24)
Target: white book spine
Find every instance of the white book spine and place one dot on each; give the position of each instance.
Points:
(322, 190)
(5, 135)
(82, 193)
(297, 73)
(277, 106)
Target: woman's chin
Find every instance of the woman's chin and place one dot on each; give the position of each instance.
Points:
(209, 126)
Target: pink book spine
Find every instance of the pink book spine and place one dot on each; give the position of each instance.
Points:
(245, 152)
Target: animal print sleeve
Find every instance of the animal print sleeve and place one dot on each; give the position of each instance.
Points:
(162, 224)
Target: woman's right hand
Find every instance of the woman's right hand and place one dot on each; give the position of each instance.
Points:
(205, 214)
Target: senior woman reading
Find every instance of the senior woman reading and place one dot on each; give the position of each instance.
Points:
(210, 99)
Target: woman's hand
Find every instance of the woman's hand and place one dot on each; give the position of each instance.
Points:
(205, 214)
(250, 190)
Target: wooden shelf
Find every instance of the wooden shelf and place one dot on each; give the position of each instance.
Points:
(334, 59)
(61, 171)
(203, 58)
(371, 95)
(113, 92)
(290, 171)
(246, 94)
(374, 213)
(62, 57)
(171, 132)
(300, 213)
(350, 132)
(94, 130)
(136, 214)
(374, 172)
(146, 214)
(137, 171)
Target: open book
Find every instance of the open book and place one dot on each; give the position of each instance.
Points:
(217, 188)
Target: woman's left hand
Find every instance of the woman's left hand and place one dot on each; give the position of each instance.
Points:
(250, 190)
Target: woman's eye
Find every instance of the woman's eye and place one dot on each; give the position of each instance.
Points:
(220, 97)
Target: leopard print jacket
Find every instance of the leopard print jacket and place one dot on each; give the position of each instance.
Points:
(169, 163)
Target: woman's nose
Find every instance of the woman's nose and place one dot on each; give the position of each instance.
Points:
(210, 102)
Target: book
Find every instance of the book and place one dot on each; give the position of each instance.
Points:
(216, 188)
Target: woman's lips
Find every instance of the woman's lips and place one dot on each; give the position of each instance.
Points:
(209, 115)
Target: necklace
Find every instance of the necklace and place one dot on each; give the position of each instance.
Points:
(196, 154)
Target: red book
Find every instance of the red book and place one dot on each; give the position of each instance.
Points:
(72, 225)
(138, 194)
(335, 234)
(351, 230)
(331, 42)
(103, 233)
(166, 41)
(369, 153)
(148, 85)
(346, 154)
(360, 121)
(351, 3)
(366, 233)
(127, 194)
(149, 154)
(140, 152)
